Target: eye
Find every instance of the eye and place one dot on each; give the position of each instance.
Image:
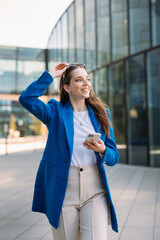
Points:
(88, 79)
(78, 80)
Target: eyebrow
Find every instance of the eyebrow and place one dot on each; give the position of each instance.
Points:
(81, 77)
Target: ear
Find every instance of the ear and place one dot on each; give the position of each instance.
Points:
(66, 88)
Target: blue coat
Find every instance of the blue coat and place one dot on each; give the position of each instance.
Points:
(52, 175)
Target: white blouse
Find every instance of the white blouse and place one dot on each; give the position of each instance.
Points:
(82, 156)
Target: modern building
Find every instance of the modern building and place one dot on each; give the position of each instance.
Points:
(119, 41)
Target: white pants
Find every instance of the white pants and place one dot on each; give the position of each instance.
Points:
(84, 213)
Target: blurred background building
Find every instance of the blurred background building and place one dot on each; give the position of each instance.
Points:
(119, 41)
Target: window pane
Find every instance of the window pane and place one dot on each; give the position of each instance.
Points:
(139, 25)
(79, 31)
(19, 67)
(103, 32)
(71, 25)
(155, 22)
(65, 37)
(90, 34)
(153, 76)
(59, 41)
(117, 106)
(101, 84)
(136, 111)
(119, 29)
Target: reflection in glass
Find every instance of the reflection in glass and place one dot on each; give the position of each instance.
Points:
(139, 25)
(90, 34)
(59, 41)
(71, 25)
(19, 67)
(155, 22)
(79, 31)
(136, 111)
(153, 77)
(101, 85)
(117, 106)
(103, 32)
(119, 29)
(20, 122)
(65, 37)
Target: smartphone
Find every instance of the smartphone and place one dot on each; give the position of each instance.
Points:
(95, 136)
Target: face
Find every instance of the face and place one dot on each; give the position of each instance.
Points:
(79, 87)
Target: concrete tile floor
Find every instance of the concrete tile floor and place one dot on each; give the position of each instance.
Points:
(135, 192)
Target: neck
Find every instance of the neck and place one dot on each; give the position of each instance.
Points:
(78, 105)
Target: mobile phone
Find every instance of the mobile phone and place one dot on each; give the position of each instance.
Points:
(95, 136)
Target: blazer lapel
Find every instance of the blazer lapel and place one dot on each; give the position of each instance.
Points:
(95, 123)
(67, 114)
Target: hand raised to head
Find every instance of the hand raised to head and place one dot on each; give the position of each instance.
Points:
(58, 70)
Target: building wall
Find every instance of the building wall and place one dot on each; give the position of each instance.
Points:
(18, 68)
(119, 41)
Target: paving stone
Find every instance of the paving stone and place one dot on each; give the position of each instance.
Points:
(137, 234)
(135, 192)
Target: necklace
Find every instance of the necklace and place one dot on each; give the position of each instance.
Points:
(76, 114)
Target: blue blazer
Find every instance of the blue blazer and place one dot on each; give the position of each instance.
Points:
(52, 175)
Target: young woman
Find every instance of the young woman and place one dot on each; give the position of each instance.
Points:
(71, 186)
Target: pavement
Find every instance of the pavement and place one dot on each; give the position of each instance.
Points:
(135, 192)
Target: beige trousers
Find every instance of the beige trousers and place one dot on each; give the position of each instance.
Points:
(84, 213)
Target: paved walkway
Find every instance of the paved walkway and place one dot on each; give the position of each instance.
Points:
(135, 192)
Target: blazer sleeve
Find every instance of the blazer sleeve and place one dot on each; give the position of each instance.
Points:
(111, 156)
(29, 98)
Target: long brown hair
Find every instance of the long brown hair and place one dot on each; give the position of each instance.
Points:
(97, 106)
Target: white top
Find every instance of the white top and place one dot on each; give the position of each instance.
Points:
(82, 156)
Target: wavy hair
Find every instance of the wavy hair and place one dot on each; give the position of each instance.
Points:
(97, 106)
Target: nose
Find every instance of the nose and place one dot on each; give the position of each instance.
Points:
(85, 82)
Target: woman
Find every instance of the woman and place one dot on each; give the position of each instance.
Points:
(71, 186)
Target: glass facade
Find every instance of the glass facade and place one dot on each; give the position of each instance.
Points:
(71, 34)
(103, 32)
(155, 14)
(119, 41)
(18, 68)
(119, 29)
(117, 104)
(139, 25)
(90, 34)
(136, 110)
(153, 91)
(79, 31)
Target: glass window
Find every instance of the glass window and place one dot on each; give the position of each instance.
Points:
(153, 77)
(90, 34)
(136, 111)
(19, 67)
(139, 25)
(103, 32)
(8, 65)
(155, 22)
(117, 106)
(119, 29)
(59, 41)
(19, 121)
(79, 31)
(65, 37)
(52, 48)
(101, 85)
(71, 24)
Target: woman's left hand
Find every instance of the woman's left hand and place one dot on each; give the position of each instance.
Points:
(95, 146)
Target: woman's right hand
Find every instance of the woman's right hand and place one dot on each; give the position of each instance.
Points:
(58, 70)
